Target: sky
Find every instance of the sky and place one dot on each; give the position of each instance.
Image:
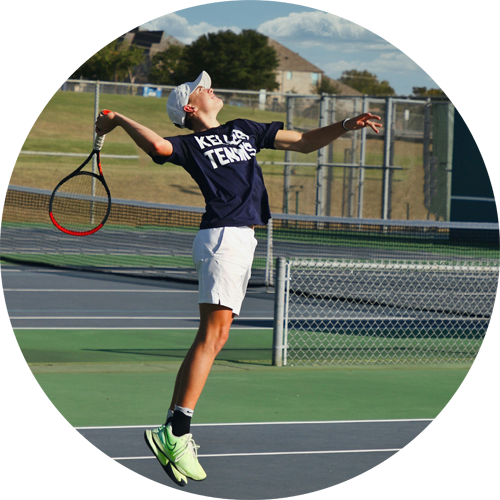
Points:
(334, 35)
(331, 43)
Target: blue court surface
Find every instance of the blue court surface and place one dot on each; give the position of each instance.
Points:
(286, 460)
(49, 298)
(243, 460)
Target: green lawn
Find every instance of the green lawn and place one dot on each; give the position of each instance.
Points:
(66, 125)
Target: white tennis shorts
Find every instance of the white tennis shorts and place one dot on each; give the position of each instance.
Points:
(223, 258)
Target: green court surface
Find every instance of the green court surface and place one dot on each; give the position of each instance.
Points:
(108, 261)
(125, 377)
(353, 346)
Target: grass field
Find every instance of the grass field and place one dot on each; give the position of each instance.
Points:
(66, 123)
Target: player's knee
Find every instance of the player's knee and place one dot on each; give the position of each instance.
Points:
(221, 340)
(214, 341)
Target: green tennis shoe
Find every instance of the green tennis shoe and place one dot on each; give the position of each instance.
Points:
(171, 471)
(180, 451)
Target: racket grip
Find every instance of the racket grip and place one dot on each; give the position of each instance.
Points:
(99, 141)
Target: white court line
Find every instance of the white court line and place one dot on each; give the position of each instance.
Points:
(331, 452)
(75, 429)
(339, 318)
(233, 327)
(65, 290)
(101, 317)
(312, 422)
(100, 290)
(122, 317)
(453, 419)
(378, 318)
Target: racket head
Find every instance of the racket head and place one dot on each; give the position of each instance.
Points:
(80, 204)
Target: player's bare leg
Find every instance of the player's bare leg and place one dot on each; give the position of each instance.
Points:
(172, 443)
(215, 323)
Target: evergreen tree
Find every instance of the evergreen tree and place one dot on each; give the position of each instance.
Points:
(366, 82)
(234, 61)
(325, 86)
(425, 92)
(166, 65)
(114, 62)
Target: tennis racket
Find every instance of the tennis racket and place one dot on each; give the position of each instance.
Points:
(81, 202)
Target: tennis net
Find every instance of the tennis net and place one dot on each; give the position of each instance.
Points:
(155, 240)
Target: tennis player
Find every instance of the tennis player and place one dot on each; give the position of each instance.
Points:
(222, 161)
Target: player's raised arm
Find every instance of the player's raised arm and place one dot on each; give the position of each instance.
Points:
(148, 140)
(318, 138)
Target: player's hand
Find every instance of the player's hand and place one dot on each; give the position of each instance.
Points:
(362, 121)
(105, 122)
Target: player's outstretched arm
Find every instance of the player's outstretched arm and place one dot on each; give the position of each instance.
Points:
(145, 138)
(319, 138)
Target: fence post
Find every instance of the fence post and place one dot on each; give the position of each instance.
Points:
(322, 155)
(330, 158)
(350, 170)
(362, 160)
(269, 254)
(279, 311)
(96, 114)
(262, 99)
(386, 181)
(287, 174)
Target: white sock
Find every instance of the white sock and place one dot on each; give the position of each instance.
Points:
(187, 411)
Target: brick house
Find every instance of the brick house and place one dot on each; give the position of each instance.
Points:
(297, 75)
(294, 74)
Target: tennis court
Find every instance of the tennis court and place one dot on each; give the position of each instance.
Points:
(389, 317)
(105, 349)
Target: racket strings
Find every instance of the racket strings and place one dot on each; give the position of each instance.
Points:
(81, 203)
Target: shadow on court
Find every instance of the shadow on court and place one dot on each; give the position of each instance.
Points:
(327, 460)
(260, 356)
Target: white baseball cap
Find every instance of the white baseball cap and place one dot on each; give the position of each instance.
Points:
(179, 97)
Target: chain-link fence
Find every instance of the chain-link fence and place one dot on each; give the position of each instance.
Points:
(401, 173)
(359, 314)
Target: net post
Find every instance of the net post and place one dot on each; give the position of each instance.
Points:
(279, 311)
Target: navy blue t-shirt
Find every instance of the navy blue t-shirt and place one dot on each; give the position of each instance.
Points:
(222, 162)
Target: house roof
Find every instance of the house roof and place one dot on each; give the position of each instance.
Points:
(145, 39)
(291, 61)
(150, 41)
(343, 89)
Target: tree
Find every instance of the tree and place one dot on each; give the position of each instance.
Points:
(366, 82)
(325, 86)
(166, 65)
(234, 61)
(131, 58)
(424, 92)
(114, 62)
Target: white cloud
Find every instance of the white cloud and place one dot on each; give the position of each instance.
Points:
(315, 26)
(386, 62)
(178, 27)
